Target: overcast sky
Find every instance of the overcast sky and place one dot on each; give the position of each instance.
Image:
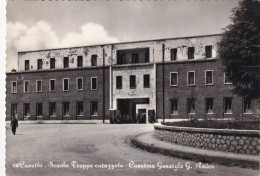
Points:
(40, 25)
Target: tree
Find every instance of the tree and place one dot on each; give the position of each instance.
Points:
(239, 49)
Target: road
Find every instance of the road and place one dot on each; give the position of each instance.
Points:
(93, 149)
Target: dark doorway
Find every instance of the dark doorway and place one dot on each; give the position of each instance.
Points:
(142, 115)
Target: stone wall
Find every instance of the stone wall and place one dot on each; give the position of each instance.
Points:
(236, 141)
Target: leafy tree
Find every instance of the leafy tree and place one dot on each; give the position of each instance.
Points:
(239, 49)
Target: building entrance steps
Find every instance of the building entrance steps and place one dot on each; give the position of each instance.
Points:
(149, 142)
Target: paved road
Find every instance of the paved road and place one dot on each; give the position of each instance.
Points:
(50, 149)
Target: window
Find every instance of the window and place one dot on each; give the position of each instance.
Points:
(191, 105)
(209, 105)
(191, 78)
(79, 61)
(132, 82)
(39, 64)
(121, 58)
(38, 109)
(79, 83)
(26, 110)
(94, 108)
(119, 82)
(146, 81)
(147, 57)
(14, 113)
(191, 52)
(94, 60)
(26, 86)
(228, 105)
(174, 54)
(52, 85)
(26, 65)
(52, 63)
(38, 86)
(66, 62)
(94, 83)
(174, 107)
(52, 108)
(247, 106)
(66, 108)
(208, 51)
(174, 78)
(226, 80)
(209, 77)
(14, 87)
(66, 84)
(135, 58)
(79, 108)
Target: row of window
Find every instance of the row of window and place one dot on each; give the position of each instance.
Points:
(52, 85)
(132, 81)
(65, 62)
(209, 104)
(191, 78)
(52, 109)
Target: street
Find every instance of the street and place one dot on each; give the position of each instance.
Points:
(94, 149)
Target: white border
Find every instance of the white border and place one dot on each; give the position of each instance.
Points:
(37, 86)
(173, 85)
(188, 78)
(68, 84)
(206, 78)
(77, 83)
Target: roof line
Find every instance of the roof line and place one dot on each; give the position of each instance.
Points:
(116, 43)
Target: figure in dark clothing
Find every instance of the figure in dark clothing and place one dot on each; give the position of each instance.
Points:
(14, 125)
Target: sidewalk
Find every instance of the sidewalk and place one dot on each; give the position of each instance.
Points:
(60, 121)
(148, 142)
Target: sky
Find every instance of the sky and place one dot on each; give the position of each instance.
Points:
(34, 25)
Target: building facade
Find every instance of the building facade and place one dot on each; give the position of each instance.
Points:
(176, 78)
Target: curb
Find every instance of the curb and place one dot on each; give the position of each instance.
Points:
(227, 161)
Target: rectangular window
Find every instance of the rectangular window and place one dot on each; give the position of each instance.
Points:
(94, 83)
(191, 78)
(174, 54)
(52, 63)
(26, 86)
(247, 106)
(208, 50)
(132, 82)
(52, 85)
(121, 58)
(135, 58)
(191, 51)
(38, 109)
(147, 57)
(26, 65)
(52, 108)
(174, 78)
(66, 84)
(26, 109)
(14, 113)
(39, 64)
(191, 106)
(209, 105)
(66, 108)
(65, 62)
(226, 80)
(174, 107)
(94, 108)
(119, 82)
(146, 81)
(79, 108)
(79, 61)
(79, 83)
(94, 60)
(14, 87)
(209, 77)
(228, 105)
(38, 86)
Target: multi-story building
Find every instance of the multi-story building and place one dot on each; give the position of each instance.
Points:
(176, 78)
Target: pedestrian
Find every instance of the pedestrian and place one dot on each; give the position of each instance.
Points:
(14, 125)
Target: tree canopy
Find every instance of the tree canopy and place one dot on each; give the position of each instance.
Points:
(239, 49)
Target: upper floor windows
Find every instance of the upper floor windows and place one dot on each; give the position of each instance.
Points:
(191, 78)
(226, 80)
(208, 50)
(174, 79)
(26, 65)
(191, 51)
(146, 81)
(66, 84)
(38, 86)
(209, 77)
(52, 85)
(14, 87)
(26, 86)
(39, 64)
(174, 54)
(147, 57)
(52, 63)
(132, 82)
(65, 62)
(119, 82)
(79, 83)
(79, 61)
(94, 83)
(94, 60)
(135, 58)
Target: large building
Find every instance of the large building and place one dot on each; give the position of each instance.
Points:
(175, 78)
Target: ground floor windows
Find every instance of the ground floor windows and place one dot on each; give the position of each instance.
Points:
(174, 107)
(228, 105)
(209, 105)
(14, 113)
(79, 108)
(26, 109)
(66, 108)
(247, 106)
(191, 105)
(38, 109)
(52, 107)
(94, 108)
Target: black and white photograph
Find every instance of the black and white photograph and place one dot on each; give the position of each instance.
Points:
(131, 87)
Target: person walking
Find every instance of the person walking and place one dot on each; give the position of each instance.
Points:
(14, 125)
